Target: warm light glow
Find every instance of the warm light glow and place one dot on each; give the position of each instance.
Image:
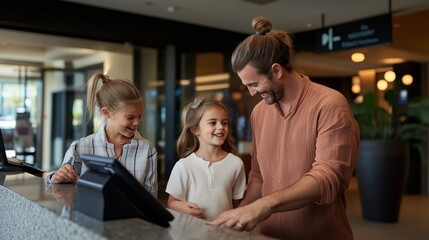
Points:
(358, 57)
(210, 87)
(355, 80)
(393, 60)
(236, 96)
(390, 76)
(356, 84)
(359, 99)
(382, 84)
(185, 82)
(407, 79)
(212, 78)
(158, 83)
(356, 89)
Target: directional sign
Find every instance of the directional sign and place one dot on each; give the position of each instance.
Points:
(365, 32)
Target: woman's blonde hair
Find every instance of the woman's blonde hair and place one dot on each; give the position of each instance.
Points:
(187, 142)
(112, 94)
(264, 48)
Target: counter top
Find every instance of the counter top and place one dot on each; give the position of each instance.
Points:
(29, 208)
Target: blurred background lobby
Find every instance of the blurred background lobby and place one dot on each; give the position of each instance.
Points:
(176, 50)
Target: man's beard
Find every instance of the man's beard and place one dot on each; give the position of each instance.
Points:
(276, 94)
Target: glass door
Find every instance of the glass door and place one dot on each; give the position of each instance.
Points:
(66, 104)
(21, 111)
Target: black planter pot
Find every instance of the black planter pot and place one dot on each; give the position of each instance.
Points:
(413, 184)
(381, 172)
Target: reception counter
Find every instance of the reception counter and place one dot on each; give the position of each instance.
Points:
(30, 210)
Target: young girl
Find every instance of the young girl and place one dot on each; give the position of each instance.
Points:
(121, 105)
(209, 178)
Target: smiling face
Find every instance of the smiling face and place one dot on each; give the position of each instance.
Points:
(262, 84)
(213, 127)
(125, 120)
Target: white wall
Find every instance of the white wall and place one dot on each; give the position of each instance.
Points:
(53, 83)
(119, 65)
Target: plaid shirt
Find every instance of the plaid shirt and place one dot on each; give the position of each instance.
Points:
(139, 157)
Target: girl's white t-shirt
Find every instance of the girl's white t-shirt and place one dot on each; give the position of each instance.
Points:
(210, 185)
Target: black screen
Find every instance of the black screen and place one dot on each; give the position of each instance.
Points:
(6, 165)
(147, 207)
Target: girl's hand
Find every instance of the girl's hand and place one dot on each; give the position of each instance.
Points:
(185, 207)
(194, 210)
(64, 193)
(65, 174)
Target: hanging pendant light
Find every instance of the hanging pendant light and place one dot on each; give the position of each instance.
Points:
(407, 79)
(390, 76)
(382, 84)
(358, 57)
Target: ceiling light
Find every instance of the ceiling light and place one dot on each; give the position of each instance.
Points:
(393, 60)
(382, 84)
(356, 89)
(212, 78)
(185, 82)
(356, 84)
(390, 76)
(355, 80)
(171, 9)
(358, 57)
(407, 79)
(211, 87)
(359, 99)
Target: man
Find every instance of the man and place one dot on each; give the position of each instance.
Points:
(305, 145)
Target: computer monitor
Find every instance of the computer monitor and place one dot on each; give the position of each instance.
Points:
(4, 164)
(15, 165)
(108, 191)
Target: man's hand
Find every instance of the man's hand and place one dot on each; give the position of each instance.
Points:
(244, 218)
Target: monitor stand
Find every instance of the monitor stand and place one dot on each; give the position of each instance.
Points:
(10, 168)
(102, 197)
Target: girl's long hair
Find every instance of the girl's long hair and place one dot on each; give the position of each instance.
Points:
(112, 93)
(187, 142)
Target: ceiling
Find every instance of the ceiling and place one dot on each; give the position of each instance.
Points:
(409, 39)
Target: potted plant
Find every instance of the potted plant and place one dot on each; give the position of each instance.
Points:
(387, 134)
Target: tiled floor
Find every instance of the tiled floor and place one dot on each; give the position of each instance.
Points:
(413, 220)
